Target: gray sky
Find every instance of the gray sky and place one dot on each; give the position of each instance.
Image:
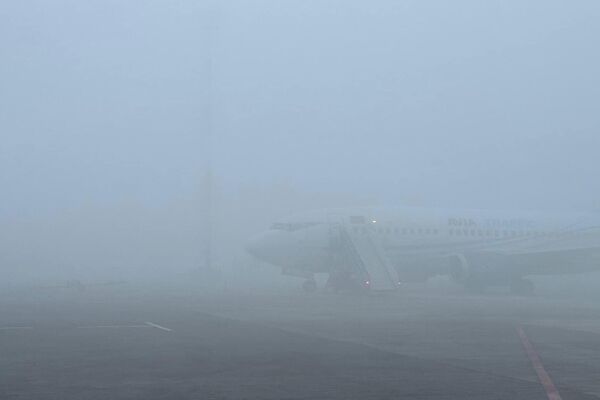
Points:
(465, 103)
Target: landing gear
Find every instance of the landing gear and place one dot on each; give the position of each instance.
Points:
(309, 286)
(343, 282)
(522, 287)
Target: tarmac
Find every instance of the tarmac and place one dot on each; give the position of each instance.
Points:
(126, 342)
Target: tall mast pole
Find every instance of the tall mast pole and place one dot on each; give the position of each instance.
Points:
(208, 182)
(209, 118)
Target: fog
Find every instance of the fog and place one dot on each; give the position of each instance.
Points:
(146, 147)
(110, 112)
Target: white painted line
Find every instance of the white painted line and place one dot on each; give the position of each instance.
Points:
(112, 326)
(12, 328)
(158, 326)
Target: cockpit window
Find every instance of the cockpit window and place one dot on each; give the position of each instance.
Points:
(292, 226)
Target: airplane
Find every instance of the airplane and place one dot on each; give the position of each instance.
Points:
(379, 248)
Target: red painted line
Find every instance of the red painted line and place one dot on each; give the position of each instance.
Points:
(543, 376)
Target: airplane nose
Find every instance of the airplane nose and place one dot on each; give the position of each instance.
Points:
(271, 246)
(284, 249)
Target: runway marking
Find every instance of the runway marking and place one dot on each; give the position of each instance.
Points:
(112, 326)
(158, 326)
(349, 340)
(543, 376)
(13, 328)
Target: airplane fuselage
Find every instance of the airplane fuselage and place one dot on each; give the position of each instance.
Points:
(472, 244)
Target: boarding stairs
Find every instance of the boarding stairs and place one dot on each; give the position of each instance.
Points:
(361, 251)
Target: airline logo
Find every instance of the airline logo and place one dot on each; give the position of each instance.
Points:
(462, 222)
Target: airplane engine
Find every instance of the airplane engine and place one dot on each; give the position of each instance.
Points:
(460, 268)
